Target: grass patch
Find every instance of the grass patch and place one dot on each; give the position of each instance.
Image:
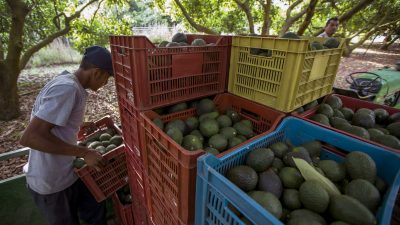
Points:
(55, 53)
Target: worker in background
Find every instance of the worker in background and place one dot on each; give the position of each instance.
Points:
(331, 27)
(57, 116)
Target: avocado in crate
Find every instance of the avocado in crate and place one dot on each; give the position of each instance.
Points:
(102, 141)
(375, 124)
(212, 130)
(180, 40)
(308, 190)
(299, 174)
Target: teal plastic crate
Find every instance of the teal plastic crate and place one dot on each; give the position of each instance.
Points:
(215, 193)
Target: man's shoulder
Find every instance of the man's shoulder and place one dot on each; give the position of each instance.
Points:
(63, 80)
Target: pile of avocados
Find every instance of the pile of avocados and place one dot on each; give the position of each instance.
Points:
(210, 129)
(375, 125)
(102, 141)
(124, 195)
(271, 178)
(180, 39)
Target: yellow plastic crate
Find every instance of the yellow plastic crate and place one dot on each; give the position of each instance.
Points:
(290, 76)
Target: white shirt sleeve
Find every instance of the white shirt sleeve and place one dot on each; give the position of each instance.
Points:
(57, 104)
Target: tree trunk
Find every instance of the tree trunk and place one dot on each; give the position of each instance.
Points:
(9, 103)
(290, 20)
(387, 44)
(267, 16)
(246, 9)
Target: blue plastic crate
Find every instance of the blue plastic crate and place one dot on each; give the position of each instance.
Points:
(215, 193)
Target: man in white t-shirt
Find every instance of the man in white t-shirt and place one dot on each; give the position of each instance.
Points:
(331, 27)
(56, 118)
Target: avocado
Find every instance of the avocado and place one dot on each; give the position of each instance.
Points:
(305, 213)
(260, 159)
(316, 46)
(360, 166)
(350, 210)
(159, 123)
(105, 143)
(365, 192)
(205, 106)
(299, 110)
(218, 141)
(172, 44)
(339, 223)
(268, 201)
(209, 127)
(333, 170)
(302, 221)
(243, 129)
(380, 185)
(224, 121)
(381, 115)
(101, 149)
(212, 151)
(290, 35)
(374, 133)
(244, 177)
(331, 42)
(385, 131)
(338, 122)
(321, 118)
(291, 177)
(325, 109)
(280, 149)
(357, 131)
(313, 148)
(192, 123)
(313, 196)
(198, 134)
(110, 147)
(178, 124)
(291, 199)
(288, 158)
(163, 44)
(105, 137)
(233, 141)
(389, 140)
(338, 113)
(365, 110)
(95, 144)
(364, 119)
(233, 115)
(178, 107)
(211, 115)
(192, 143)
(228, 132)
(334, 101)
(277, 164)
(269, 181)
(394, 129)
(247, 123)
(179, 37)
(310, 105)
(175, 134)
(347, 113)
(79, 163)
(395, 117)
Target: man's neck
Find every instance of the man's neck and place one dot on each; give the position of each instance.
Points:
(82, 79)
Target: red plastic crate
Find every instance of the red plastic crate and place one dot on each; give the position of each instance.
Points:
(113, 176)
(353, 104)
(148, 77)
(102, 124)
(131, 131)
(128, 214)
(171, 169)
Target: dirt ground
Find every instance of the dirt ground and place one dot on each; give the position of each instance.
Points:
(105, 103)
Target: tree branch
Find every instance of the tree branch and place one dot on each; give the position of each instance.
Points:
(309, 15)
(28, 54)
(95, 12)
(267, 18)
(246, 8)
(195, 25)
(291, 19)
(347, 15)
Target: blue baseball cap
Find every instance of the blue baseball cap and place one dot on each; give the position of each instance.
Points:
(99, 57)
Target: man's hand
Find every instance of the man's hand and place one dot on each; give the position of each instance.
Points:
(94, 159)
